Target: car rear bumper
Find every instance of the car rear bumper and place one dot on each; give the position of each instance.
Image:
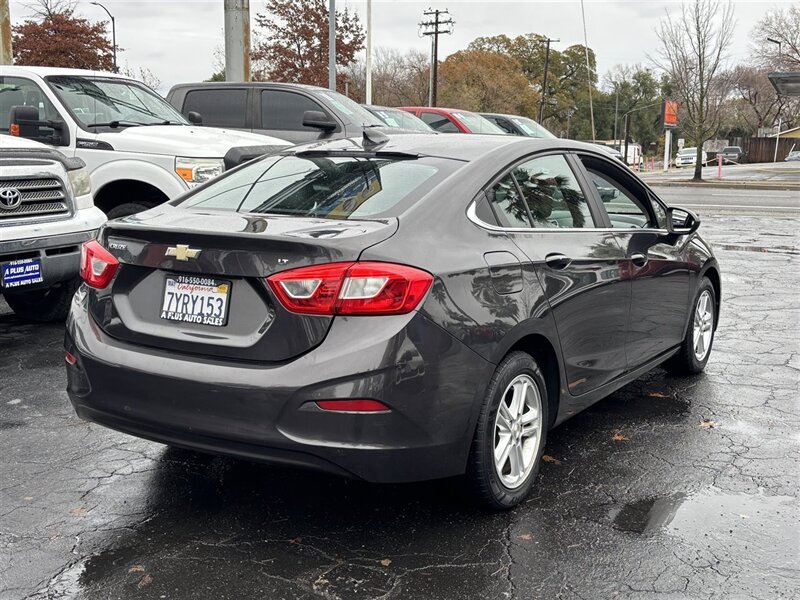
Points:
(432, 383)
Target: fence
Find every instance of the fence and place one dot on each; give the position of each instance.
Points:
(760, 150)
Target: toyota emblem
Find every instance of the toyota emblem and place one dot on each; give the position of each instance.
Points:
(10, 198)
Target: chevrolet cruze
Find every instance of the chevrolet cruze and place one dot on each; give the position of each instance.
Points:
(391, 309)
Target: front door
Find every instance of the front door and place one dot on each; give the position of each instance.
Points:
(578, 265)
(281, 116)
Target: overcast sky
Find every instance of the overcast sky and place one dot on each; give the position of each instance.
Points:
(176, 39)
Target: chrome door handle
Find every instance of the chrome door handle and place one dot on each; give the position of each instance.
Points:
(639, 259)
(557, 261)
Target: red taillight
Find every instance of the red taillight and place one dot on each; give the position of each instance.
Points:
(70, 358)
(98, 265)
(368, 406)
(361, 288)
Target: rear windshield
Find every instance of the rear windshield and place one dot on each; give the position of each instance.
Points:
(323, 187)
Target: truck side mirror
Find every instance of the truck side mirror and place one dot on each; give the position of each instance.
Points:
(24, 122)
(318, 120)
(194, 117)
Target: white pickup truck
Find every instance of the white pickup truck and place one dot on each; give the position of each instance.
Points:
(46, 213)
(139, 150)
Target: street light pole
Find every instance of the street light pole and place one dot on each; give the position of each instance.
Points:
(113, 33)
(544, 82)
(368, 91)
(780, 117)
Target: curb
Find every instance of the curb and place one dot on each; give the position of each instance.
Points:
(736, 185)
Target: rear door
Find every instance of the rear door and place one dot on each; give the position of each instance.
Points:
(279, 113)
(440, 123)
(224, 107)
(657, 270)
(551, 219)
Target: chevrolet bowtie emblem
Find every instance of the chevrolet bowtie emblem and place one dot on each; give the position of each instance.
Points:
(182, 252)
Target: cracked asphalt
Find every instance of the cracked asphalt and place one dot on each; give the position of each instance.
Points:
(672, 488)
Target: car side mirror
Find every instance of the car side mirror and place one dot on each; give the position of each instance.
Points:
(318, 120)
(681, 221)
(194, 117)
(24, 122)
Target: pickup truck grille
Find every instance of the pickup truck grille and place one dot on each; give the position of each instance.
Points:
(32, 197)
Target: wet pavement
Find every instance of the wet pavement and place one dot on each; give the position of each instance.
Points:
(672, 488)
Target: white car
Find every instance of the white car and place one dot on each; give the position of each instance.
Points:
(688, 157)
(139, 150)
(46, 213)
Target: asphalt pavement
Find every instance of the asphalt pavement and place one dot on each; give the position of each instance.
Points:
(769, 175)
(721, 201)
(672, 488)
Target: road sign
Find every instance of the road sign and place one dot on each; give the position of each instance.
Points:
(681, 143)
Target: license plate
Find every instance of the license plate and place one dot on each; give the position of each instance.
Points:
(192, 299)
(18, 273)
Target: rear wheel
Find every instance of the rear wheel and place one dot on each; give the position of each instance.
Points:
(696, 346)
(510, 434)
(41, 306)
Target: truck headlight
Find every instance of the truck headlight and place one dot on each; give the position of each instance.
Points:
(198, 170)
(79, 182)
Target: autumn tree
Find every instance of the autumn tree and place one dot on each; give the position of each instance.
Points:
(693, 53)
(294, 47)
(60, 39)
(484, 81)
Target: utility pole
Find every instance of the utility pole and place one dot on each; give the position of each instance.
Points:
(6, 56)
(441, 23)
(368, 98)
(113, 33)
(589, 76)
(332, 45)
(237, 40)
(616, 112)
(544, 83)
(780, 117)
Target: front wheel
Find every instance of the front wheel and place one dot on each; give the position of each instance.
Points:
(42, 306)
(510, 434)
(696, 346)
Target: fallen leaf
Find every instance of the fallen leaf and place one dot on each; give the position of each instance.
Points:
(524, 536)
(657, 395)
(136, 569)
(386, 562)
(550, 459)
(78, 511)
(144, 581)
(297, 540)
(618, 437)
(708, 424)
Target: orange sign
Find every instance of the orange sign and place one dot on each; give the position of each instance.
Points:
(670, 113)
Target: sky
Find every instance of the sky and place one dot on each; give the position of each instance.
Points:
(177, 39)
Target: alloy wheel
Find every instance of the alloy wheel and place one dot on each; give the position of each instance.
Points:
(703, 325)
(517, 431)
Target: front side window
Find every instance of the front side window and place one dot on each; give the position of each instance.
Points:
(552, 193)
(322, 187)
(219, 107)
(17, 91)
(626, 208)
(101, 102)
(477, 124)
(284, 110)
(439, 122)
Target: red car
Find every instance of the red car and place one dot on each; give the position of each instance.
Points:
(453, 120)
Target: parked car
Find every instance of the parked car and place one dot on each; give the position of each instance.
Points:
(733, 154)
(303, 318)
(290, 111)
(450, 120)
(688, 157)
(46, 213)
(399, 119)
(139, 150)
(793, 155)
(517, 125)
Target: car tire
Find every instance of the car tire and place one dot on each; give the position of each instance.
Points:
(689, 360)
(129, 208)
(497, 484)
(43, 306)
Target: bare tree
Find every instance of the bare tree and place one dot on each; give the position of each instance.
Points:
(783, 26)
(693, 53)
(397, 79)
(48, 8)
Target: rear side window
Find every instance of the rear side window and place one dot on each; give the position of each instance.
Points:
(284, 110)
(439, 122)
(323, 187)
(507, 203)
(218, 107)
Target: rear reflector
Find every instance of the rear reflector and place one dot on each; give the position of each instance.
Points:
(360, 288)
(98, 265)
(353, 406)
(70, 358)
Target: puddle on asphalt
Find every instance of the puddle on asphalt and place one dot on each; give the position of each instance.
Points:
(764, 249)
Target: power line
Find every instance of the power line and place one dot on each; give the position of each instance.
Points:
(442, 23)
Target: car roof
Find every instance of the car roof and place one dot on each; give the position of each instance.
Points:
(254, 84)
(507, 116)
(468, 148)
(49, 71)
(437, 109)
